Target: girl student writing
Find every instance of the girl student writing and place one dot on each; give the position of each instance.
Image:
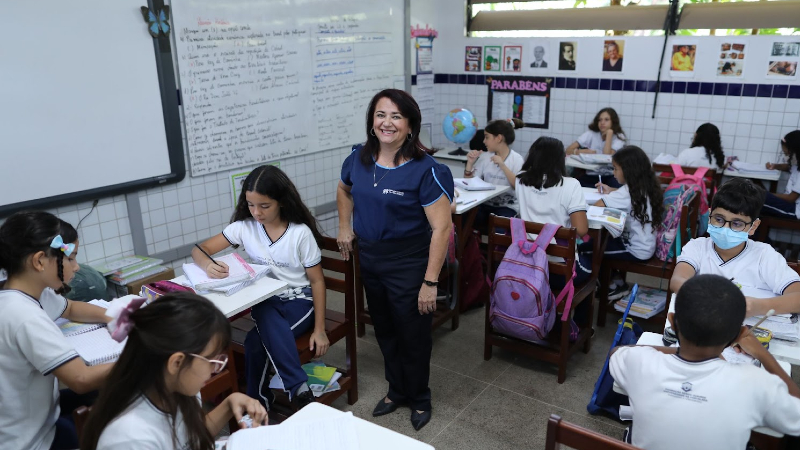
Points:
(175, 344)
(278, 230)
(706, 144)
(604, 136)
(499, 166)
(38, 251)
(641, 197)
(786, 205)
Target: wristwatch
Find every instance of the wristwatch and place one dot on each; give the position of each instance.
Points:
(431, 283)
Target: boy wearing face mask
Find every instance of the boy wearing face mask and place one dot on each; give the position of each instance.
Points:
(730, 253)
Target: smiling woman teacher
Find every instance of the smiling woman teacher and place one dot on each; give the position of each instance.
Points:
(399, 199)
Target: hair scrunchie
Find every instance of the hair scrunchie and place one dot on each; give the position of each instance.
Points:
(120, 312)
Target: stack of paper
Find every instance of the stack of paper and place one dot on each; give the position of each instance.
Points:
(610, 218)
(740, 166)
(594, 158)
(664, 158)
(128, 269)
(329, 433)
(238, 271)
(234, 288)
(648, 302)
(473, 184)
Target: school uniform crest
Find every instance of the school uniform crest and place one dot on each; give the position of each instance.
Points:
(686, 387)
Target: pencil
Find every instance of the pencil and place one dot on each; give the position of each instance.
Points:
(767, 315)
(209, 256)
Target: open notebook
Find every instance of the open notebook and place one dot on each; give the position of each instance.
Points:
(238, 270)
(96, 346)
(473, 184)
(69, 328)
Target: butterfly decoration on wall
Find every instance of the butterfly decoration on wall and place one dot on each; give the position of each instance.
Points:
(157, 22)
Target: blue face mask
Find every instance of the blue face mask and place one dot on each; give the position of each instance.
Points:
(725, 238)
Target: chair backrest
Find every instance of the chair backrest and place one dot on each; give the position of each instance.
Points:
(563, 248)
(579, 438)
(340, 276)
(80, 416)
(666, 175)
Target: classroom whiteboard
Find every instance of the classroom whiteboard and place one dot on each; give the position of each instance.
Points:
(81, 112)
(269, 79)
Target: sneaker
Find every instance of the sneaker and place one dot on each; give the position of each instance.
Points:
(301, 399)
(617, 292)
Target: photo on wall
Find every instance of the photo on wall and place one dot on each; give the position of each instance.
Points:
(783, 60)
(539, 55)
(612, 55)
(512, 58)
(731, 60)
(491, 58)
(567, 55)
(790, 49)
(472, 59)
(786, 69)
(682, 61)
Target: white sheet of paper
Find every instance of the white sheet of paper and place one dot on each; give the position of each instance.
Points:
(325, 434)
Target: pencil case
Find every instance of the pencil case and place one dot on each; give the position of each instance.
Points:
(152, 291)
(763, 335)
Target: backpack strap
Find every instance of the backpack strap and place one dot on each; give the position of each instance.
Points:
(520, 236)
(569, 291)
(700, 173)
(677, 170)
(546, 235)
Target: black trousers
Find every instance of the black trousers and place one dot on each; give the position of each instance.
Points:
(392, 272)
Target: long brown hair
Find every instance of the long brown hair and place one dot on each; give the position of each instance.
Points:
(412, 148)
(642, 184)
(175, 323)
(614, 122)
(274, 183)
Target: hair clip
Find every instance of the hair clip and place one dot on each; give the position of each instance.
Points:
(121, 312)
(57, 242)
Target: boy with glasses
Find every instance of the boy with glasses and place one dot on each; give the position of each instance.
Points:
(730, 253)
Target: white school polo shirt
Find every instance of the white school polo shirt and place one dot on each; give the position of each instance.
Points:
(638, 237)
(711, 404)
(551, 205)
(758, 265)
(31, 348)
(793, 185)
(490, 172)
(594, 140)
(695, 157)
(288, 257)
(143, 426)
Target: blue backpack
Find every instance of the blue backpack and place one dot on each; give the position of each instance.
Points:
(604, 398)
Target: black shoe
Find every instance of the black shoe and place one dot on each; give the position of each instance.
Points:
(383, 408)
(619, 292)
(302, 399)
(419, 420)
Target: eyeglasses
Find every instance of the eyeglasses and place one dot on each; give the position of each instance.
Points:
(219, 362)
(736, 224)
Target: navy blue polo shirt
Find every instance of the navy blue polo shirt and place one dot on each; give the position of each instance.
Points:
(394, 208)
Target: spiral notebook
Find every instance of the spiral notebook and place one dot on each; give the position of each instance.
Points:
(96, 346)
(238, 271)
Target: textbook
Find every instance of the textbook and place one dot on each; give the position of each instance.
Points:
(125, 266)
(96, 346)
(594, 158)
(321, 378)
(648, 303)
(610, 218)
(238, 270)
(136, 276)
(473, 184)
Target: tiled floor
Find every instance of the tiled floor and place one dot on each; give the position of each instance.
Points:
(498, 404)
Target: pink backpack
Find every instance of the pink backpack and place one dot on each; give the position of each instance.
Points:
(696, 182)
(521, 303)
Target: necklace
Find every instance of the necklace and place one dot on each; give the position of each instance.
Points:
(374, 169)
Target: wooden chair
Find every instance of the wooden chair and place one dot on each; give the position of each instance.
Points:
(768, 223)
(340, 277)
(80, 416)
(558, 348)
(654, 267)
(579, 438)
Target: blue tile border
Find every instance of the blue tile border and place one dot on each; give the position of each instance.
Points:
(615, 84)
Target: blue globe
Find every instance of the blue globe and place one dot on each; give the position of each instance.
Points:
(459, 125)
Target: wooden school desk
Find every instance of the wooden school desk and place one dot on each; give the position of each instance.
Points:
(370, 435)
(771, 177)
(233, 306)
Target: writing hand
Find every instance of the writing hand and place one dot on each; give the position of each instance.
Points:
(217, 269)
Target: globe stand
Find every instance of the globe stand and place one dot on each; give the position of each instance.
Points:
(458, 152)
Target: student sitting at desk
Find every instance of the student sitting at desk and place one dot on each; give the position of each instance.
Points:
(278, 230)
(547, 195)
(730, 253)
(687, 397)
(38, 251)
(786, 205)
(705, 144)
(605, 136)
(151, 400)
(499, 166)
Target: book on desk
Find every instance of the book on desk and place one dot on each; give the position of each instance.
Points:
(473, 184)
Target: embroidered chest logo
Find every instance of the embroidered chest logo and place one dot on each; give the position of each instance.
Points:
(391, 191)
(271, 262)
(686, 387)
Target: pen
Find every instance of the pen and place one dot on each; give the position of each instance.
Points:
(767, 315)
(600, 177)
(209, 256)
